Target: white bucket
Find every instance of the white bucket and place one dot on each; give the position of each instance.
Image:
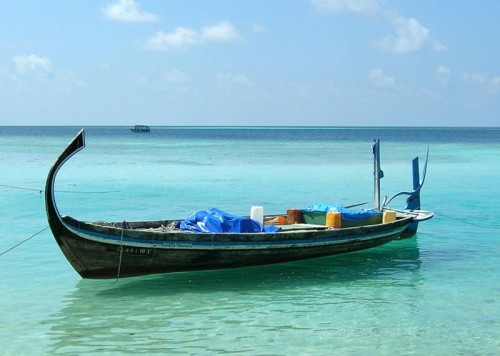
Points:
(257, 214)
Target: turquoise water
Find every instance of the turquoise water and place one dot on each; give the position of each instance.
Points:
(438, 293)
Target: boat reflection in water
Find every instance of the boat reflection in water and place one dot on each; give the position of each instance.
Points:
(184, 312)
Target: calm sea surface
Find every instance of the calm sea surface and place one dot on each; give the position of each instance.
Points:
(438, 293)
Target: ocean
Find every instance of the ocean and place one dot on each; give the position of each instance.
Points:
(437, 293)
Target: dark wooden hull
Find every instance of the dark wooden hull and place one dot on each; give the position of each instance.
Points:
(140, 248)
(106, 252)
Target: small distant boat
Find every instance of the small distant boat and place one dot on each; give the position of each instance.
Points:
(123, 249)
(140, 128)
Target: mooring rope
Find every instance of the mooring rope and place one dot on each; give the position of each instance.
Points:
(463, 221)
(121, 253)
(20, 243)
(57, 191)
(21, 188)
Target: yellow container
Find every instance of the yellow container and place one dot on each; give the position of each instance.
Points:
(334, 219)
(389, 216)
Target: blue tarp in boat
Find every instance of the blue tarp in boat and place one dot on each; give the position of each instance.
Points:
(217, 221)
(347, 214)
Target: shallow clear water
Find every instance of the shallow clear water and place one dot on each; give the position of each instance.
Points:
(436, 293)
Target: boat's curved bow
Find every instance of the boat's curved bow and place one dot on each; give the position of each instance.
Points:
(53, 215)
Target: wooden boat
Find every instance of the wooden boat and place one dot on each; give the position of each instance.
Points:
(123, 249)
(140, 128)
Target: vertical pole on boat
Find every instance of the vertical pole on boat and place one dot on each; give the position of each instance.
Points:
(377, 173)
(413, 201)
(416, 174)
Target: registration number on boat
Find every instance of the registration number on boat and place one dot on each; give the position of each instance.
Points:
(135, 250)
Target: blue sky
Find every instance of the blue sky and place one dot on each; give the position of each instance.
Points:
(227, 62)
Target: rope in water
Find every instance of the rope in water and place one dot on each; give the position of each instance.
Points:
(464, 221)
(57, 191)
(21, 188)
(20, 243)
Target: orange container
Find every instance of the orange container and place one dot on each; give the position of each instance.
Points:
(334, 219)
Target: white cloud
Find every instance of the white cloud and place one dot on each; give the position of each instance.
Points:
(477, 78)
(183, 37)
(443, 75)
(138, 79)
(495, 85)
(409, 36)
(349, 6)
(176, 76)
(35, 74)
(32, 64)
(230, 81)
(69, 80)
(221, 32)
(380, 79)
(490, 85)
(128, 11)
(258, 28)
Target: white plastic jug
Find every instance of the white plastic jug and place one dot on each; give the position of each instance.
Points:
(257, 214)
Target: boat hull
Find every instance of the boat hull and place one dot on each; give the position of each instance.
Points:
(104, 252)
